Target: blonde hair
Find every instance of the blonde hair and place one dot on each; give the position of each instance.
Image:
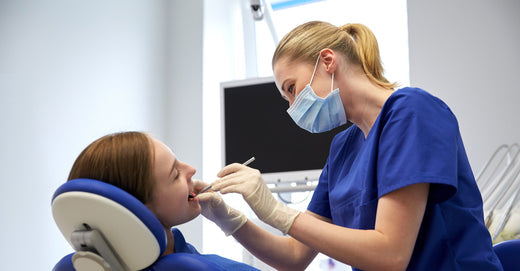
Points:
(355, 41)
(122, 159)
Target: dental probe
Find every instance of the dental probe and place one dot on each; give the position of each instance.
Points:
(245, 164)
(249, 161)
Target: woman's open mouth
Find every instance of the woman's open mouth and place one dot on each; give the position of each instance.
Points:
(191, 196)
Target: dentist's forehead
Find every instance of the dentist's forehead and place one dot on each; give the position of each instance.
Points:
(281, 72)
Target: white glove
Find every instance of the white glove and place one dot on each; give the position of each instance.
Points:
(215, 209)
(237, 178)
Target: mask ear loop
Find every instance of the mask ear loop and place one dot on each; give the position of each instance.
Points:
(332, 83)
(314, 72)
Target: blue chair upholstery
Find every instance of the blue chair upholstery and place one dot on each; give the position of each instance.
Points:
(177, 261)
(109, 227)
(65, 264)
(509, 254)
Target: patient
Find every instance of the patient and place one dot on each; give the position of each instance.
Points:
(147, 169)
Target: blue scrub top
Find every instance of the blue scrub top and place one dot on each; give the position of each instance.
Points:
(415, 139)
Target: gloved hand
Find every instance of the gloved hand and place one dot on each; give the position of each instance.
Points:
(237, 178)
(215, 209)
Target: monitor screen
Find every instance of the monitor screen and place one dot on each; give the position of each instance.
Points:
(255, 123)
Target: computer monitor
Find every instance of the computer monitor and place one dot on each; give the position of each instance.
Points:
(255, 123)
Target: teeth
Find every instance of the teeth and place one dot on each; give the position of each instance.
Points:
(191, 196)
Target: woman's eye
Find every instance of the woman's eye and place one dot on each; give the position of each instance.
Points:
(176, 174)
(290, 89)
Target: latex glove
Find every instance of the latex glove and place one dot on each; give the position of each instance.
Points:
(215, 209)
(237, 178)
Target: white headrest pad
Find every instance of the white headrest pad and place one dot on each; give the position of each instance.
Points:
(131, 240)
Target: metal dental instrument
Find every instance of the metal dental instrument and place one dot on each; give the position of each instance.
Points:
(249, 161)
(204, 189)
(245, 164)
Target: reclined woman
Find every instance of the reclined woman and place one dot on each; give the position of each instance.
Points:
(146, 168)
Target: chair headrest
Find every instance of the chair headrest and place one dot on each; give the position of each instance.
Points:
(130, 228)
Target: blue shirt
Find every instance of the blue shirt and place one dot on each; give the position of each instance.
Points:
(415, 139)
(212, 261)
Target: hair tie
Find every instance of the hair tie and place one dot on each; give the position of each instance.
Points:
(347, 29)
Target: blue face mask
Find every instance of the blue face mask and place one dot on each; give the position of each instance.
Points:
(315, 114)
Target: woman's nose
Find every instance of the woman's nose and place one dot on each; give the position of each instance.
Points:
(191, 171)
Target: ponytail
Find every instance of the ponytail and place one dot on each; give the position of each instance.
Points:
(367, 49)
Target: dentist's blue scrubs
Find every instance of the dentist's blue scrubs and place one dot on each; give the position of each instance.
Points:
(415, 139)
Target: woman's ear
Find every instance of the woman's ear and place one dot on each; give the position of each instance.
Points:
(329, 59)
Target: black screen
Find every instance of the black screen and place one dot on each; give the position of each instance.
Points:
(256, 124)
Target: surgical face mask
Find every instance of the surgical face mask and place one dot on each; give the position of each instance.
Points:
(315, 114)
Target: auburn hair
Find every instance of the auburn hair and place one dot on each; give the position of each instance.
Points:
(122, 159)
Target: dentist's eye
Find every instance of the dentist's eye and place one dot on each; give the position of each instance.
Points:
(290, 89)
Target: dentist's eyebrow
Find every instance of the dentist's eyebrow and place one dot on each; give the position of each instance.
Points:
(283, 84)
(282, 93)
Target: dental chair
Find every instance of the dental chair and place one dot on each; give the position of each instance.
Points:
(110, 229)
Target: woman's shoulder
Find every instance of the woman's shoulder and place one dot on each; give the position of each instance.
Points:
(410, 97)
(415, 109)
(416, 102)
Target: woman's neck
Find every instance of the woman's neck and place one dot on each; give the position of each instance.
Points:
(367, 100)
(170, 243)
(373, 109)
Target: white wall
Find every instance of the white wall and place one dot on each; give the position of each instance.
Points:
(183, 91)
(468, 53)
(72, 71)
(223, 61)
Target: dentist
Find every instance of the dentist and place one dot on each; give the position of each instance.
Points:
(397, 191)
